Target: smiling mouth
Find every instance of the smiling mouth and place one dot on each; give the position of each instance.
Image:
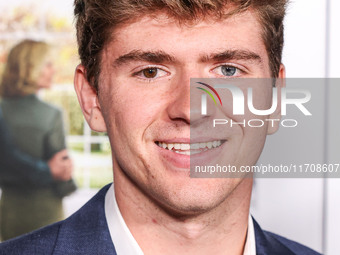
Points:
(190, 148)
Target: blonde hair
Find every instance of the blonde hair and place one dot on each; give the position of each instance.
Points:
(23, 67)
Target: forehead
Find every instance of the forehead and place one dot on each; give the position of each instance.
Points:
(241, 31)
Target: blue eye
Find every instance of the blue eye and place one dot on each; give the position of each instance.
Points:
(228, 70)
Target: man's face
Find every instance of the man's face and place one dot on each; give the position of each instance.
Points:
(144, 94)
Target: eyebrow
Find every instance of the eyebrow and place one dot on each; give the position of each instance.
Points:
(159, 57)
(156, 57)
(232, 55)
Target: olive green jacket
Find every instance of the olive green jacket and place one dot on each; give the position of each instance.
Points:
(37, 129)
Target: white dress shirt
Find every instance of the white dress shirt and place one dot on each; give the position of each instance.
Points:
(124, 241)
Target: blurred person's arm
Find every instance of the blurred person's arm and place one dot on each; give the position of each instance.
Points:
(17, 167)
(54, 142)
(61, 166)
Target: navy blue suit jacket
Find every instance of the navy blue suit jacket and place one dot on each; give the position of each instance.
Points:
(86, 232)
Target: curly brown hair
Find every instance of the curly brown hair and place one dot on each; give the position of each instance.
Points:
(95, 20)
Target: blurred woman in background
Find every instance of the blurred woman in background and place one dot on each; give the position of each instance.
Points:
(37, 129)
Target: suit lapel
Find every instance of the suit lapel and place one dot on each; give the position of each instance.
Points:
(267, 244)
(86, 231)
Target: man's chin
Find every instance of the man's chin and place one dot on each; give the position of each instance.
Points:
(195, 199)
(188, 210)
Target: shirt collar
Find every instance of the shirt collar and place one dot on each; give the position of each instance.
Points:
(124, 241)
(121, 236)
(250, 247)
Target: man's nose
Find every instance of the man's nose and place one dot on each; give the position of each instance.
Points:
(186, 100)
(179, 106)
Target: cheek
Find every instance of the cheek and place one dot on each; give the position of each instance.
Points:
(255, 130)
(131, 110)
(139, 112)
(252, 145)
(262, 98)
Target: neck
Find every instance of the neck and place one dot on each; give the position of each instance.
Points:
(221, 230)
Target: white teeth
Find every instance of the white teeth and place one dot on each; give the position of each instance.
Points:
(195, 152)
(170, 146)
(183, 152)
(195, 146)
(184, 148)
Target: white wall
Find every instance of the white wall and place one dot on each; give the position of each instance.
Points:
(307, 210)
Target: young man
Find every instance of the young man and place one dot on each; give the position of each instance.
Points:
(134, 81)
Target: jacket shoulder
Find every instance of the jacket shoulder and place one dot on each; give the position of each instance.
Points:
(41, 241)
(268, 243)
(30, 111)
(84, 232)
(47, 110)
(295, 247)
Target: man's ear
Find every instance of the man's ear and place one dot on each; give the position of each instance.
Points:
(275, 116)
(88, 100)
